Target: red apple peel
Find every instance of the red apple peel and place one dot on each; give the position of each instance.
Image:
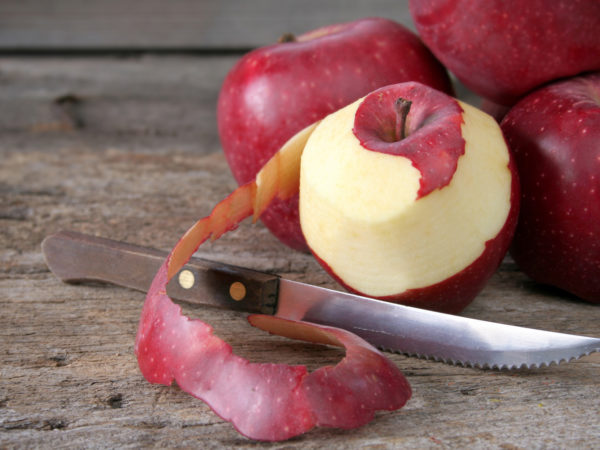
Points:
(447, 142)
(262, 401)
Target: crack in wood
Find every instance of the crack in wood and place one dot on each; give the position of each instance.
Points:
(54, 423)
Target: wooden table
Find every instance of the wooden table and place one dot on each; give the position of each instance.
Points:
(111, 132)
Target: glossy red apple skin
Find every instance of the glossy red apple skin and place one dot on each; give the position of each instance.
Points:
(276, 91)
(554, 134)
(502, 49)
(435, 154)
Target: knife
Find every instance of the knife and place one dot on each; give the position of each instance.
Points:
(76, 257)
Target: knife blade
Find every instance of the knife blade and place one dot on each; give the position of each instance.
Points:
(75, 257)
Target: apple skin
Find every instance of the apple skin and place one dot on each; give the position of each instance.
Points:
(554, 134)
(435, 143)
(275, 91)
(502, 49)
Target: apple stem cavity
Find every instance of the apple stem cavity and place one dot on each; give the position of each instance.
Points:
(286, 37)
(402, 108)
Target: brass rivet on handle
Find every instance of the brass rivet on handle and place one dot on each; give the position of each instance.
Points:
(237, 291)
(186, 279)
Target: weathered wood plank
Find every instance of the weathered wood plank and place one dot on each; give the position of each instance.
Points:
(148, 102)
(178, 24)
(166, 101)
(68, 376)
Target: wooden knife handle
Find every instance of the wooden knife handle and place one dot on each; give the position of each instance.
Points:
(76, 257)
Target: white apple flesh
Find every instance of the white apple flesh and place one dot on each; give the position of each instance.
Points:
(423, 219)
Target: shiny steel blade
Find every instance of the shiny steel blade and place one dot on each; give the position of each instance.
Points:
(442, 337)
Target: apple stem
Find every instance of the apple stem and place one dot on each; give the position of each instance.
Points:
(402, 109)
(286, 37)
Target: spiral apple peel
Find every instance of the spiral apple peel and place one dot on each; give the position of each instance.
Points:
(262, 401)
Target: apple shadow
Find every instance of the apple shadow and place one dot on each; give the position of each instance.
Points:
(547, 290)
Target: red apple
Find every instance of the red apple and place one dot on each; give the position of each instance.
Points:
(276, 91)
(409, 195)
(502, 49)
(554, 134)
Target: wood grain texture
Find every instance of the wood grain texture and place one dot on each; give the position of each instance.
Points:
(127, 149)
(176, 24)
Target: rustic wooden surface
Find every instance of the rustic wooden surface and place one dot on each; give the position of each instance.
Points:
(182, 24)
(126, 148)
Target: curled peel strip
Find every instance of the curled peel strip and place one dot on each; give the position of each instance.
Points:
(262, 401)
